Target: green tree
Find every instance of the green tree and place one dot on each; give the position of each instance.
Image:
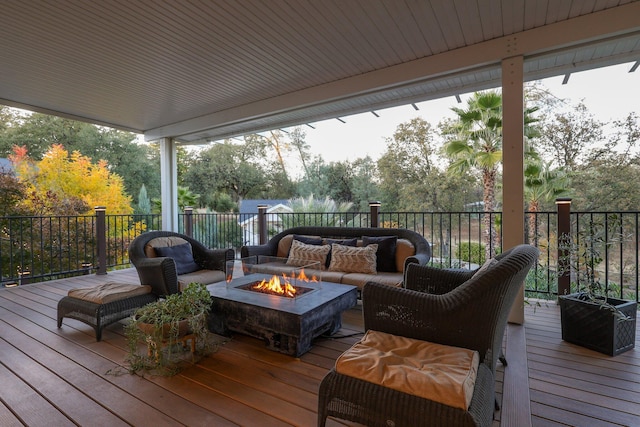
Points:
(143, 206)
(301, 147)
(410, 178)
(365, 187)
(409, 158)
(475, 143)
(185, 198)
(222, 203)
(542, 184)
(314, 180)
(568, 137)
(226, 168)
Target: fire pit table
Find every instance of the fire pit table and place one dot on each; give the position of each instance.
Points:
(287, 325)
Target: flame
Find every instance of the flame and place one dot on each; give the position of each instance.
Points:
(282, 285)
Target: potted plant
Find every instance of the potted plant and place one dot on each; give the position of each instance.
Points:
(590, 317)
(159, 328)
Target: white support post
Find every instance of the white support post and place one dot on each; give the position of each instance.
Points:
(513, 164)
(169, 184)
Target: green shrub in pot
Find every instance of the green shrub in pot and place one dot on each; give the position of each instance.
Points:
(156, 333)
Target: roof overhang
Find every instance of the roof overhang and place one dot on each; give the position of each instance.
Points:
(203, 71)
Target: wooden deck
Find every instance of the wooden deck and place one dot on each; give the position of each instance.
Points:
(60, 377)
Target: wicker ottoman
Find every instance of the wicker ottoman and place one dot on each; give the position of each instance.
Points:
(103, 305)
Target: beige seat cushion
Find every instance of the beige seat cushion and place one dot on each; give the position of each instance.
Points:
(109, 292)
(360, 279)
(433, 371)
(161, 242)
(201, 276)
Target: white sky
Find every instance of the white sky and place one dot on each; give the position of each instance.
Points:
(609, 93)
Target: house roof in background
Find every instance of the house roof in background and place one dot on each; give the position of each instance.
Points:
(249, 208)
(207, 70)
(5, 165)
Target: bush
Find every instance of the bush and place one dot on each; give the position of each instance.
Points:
(472, 252)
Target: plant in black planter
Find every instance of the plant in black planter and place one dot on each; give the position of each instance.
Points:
(166, 326)
(590, 317)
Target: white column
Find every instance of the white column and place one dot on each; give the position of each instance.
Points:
(513, 164)
(169, 184)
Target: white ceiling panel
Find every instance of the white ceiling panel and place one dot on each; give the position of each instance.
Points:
(199, 70)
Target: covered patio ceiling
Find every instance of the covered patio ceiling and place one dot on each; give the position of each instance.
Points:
(202, 70)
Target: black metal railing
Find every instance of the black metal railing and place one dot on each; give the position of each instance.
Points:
(41, 248)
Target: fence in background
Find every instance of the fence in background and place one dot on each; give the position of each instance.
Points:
(41, 248)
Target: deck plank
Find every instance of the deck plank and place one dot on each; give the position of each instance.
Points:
(571, 385)
(245, 383)
(26, 402)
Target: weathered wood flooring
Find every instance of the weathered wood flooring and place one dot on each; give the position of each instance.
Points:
(59, 377)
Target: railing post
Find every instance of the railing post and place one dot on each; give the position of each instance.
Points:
(24, 277)
(188, 221)
(262, 224)
(85, 267)
(564, 241)
(375, 214)
(101, 236)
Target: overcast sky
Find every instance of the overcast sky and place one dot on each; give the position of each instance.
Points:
(609, 93)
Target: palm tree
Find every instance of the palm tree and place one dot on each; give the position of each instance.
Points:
(476, 143)
(541, 184)
(316, 212)
(185, 198)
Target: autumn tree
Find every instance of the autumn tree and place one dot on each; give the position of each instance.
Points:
(61, 191)
(71, 179)
(136, 163)
(12, 192)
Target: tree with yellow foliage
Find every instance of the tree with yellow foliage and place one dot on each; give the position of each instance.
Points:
(60, 193)
(69, 182)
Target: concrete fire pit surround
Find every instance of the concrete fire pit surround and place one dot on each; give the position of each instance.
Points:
(287, 325)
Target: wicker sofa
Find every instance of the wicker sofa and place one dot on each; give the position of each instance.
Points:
(396, 249)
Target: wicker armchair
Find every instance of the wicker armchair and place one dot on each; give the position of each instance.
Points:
(161, 273)
(472, 315)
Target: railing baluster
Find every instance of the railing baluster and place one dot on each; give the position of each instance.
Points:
(54, 247)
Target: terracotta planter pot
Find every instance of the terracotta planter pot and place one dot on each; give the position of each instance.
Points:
(183, 329)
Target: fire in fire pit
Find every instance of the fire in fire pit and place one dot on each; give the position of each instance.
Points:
(281, 286)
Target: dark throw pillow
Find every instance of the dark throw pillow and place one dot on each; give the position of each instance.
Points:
(386, 254)
(308, 239)
(182, 255)
(343, 242)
